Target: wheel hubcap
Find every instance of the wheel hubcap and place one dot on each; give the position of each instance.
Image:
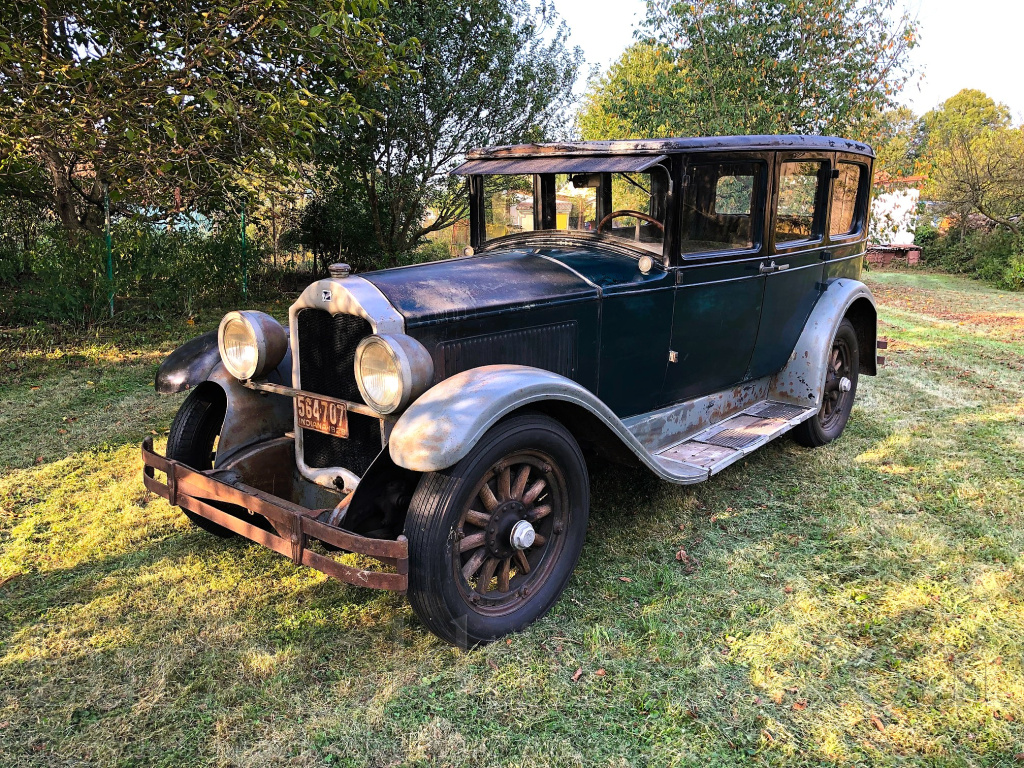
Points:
(523, 535)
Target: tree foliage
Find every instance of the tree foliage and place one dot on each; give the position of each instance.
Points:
(976, 158)
(756, 66)
(167, 103)
(486, 72)
(899, 138)
(638, 96)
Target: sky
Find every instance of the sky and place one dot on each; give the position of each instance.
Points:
(974, 44)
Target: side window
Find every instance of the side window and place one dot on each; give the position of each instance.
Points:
(844, 200)
(734, 195)
(722, 207)
(797, 215)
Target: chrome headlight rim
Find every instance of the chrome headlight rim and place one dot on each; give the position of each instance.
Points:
(268, 338)
(413, 366)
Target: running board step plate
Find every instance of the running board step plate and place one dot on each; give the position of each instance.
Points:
(728, 441)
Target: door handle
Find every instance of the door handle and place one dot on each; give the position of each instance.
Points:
(767, 269)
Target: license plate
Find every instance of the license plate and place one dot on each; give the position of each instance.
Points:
(321, 415)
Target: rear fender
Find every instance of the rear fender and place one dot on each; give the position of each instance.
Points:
(802, 379)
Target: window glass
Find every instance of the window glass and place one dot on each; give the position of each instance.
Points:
(844, 200)
(721, 207)
(576, 201)
(643, 193)
(798, 201)
(735, 195)
(508, 205)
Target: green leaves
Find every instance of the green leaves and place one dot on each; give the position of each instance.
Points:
(151, 97)
(772, 66)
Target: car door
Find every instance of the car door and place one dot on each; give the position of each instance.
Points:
(719, 285)
(798, 251)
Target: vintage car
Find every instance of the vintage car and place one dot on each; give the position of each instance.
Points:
(671, 303)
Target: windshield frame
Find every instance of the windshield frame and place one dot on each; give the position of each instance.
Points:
(545, 217)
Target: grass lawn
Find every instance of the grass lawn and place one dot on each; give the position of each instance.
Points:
(861, 604)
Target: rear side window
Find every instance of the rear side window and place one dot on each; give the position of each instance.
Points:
(844, 200)
(797, 216)
(722, 207)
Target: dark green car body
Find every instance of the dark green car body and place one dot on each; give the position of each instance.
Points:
(691, 325)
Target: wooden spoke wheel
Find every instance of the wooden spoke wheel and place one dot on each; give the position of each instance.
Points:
(837, 383)
(494, 540)
(841, 369)
(509, 535)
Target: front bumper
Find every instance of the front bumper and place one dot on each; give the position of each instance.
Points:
(293, 525)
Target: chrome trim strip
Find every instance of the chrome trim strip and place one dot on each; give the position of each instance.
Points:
(562, 264)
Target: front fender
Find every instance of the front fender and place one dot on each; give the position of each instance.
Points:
(444, 424)
(188, 365)
(802, 379)
(250, 416)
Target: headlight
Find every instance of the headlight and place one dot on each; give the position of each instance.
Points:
(391, 370)
(251, 343)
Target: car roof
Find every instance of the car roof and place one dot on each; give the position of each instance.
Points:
(674, 145)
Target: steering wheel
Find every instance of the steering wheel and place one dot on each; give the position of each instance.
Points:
(634, 214)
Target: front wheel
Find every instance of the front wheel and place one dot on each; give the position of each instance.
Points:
(842, 367)
(494, 539)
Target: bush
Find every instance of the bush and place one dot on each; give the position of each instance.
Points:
(993, 256)
(157, 273)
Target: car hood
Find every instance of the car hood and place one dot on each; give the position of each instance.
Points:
(500, 281)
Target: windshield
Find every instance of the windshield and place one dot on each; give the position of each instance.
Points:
(628, 206)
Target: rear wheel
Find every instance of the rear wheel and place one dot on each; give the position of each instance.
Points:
(193, 440)
(840, 390)
(494, 539)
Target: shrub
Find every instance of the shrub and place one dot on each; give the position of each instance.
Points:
(990, 255)
(157, 273)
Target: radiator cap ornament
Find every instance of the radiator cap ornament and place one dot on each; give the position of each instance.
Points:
(340, 269)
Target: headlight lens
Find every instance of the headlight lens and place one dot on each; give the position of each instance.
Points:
(380, 376)
(251, 343)
(391, 370)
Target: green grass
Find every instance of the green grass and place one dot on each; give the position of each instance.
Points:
(861, 604)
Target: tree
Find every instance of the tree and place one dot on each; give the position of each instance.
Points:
(486, 72)
(637, 97)
(900, 139)
(976, 158)
(167, 103)
(774, 66)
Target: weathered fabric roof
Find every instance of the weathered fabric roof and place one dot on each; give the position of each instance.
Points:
(555, 163)
(666, 146)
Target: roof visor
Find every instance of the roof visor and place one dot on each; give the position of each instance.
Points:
(561, 164)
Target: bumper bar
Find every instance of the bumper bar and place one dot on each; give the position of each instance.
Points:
(293, 524)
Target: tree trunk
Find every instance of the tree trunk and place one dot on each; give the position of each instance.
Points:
(67, 199)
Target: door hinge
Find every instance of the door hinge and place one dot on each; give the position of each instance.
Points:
(673, 356)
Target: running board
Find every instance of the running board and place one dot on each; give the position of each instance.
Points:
(713, 449)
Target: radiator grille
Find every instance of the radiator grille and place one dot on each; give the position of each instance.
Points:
(327, 350)
(551, 347)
